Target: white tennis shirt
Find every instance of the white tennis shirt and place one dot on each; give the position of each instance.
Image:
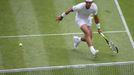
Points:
(82, 12)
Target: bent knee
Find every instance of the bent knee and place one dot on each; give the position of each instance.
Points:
(87, 34)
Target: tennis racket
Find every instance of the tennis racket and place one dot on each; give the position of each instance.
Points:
(111, 44)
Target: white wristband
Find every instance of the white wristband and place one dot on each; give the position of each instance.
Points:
(63, 14)
(98, 26)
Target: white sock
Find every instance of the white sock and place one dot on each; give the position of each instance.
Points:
(92, 49)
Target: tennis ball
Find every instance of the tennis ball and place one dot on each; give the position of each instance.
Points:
(20, 44)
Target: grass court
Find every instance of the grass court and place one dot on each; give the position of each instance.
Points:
(47, 43)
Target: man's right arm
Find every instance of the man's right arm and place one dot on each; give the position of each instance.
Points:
(59, 18)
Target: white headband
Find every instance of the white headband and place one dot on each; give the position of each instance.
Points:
(88, 0)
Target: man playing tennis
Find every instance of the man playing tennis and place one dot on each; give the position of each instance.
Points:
(85, 11)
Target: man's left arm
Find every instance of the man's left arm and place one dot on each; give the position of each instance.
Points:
(97, 22)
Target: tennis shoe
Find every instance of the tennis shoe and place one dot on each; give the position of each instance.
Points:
(94, 53)
(76, 41)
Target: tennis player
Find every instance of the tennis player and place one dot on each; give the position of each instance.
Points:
(85, 12)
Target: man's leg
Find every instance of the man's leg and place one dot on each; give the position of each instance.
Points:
(90, 31)
(88, 38)
(78, 39)
(88, 34)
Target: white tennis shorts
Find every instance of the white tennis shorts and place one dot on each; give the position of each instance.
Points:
(81, 21)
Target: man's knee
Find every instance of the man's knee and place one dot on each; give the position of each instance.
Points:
(87, 34)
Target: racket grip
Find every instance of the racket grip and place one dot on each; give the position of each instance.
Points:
(102, 34)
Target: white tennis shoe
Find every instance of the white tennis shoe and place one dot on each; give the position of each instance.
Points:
(76, 41)
(94, 53)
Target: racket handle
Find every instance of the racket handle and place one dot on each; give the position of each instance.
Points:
(102, 34)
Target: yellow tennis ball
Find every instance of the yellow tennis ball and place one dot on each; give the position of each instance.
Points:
(20, 44)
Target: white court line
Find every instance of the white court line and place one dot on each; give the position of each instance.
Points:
(60, 34)
(67, 66)
(124, 22)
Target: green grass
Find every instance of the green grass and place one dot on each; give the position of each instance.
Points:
(7, 21)
(33, 17)
(127, 8)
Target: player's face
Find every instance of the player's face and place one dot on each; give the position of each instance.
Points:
(88, 4)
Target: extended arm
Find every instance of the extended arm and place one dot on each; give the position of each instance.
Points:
(59, 18)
